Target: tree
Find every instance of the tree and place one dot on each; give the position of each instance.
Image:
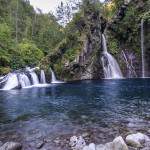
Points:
(65, 11)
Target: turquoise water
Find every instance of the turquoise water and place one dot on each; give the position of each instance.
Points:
(67, 109)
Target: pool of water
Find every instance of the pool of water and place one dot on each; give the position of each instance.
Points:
(103, 109)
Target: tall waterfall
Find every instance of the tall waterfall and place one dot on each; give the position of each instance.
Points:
(34, 77)
(142, 48)
(43, 79)
(12, 82)
(110, 65)
(53, 79)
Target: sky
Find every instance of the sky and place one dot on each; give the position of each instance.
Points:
(46, 5)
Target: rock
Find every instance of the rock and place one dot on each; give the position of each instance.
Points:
(11, 146)
(90, 147)
(77, 143)
(117, 144)
(137, 140)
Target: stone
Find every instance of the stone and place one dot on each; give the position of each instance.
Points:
(90, 147)
(137, 140)
(117, 144)
(77, 143)
(11, 146)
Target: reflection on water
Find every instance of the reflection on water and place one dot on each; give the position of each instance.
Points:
(65, 108)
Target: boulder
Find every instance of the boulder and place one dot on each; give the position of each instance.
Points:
(11, 146)
(90, 147)
(77, 143)
(117, 144)
(137, 140)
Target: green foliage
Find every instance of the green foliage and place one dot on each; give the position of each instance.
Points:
(27, 54)
(113, 45)
(19, 21)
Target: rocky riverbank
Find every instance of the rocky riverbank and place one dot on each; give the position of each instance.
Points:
(136, 141)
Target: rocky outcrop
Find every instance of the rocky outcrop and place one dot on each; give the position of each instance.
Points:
(88, 65)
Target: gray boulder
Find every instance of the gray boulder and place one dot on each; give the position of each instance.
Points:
(117, 144)
(137, 140)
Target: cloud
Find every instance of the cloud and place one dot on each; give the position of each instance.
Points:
(46, 5)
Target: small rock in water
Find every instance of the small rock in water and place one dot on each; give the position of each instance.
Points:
(77, 143)
(137, 140)
(11, 146)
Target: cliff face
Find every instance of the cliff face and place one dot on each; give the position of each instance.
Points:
(78, 56)
(87, 64)
(124, 36)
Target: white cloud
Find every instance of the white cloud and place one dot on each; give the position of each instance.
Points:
(46, 5)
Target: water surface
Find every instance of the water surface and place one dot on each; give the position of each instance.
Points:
(104, 109)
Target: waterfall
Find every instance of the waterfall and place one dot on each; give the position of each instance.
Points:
(12, 82)
(24, 80)
(20, 79)
(110, 65)
(53, 77)
(43, 79)
(34, 77)
(142, 48)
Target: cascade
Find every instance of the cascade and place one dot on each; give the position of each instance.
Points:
(43, 79)
(53, 77)
(110, 65)
(34, 77)
(12, 82)
(142, 48)
(24, 80)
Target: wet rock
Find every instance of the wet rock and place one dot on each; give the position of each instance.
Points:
(77, 143)
(11, 146)
(137, 140)
(117, 144)
(90, 147)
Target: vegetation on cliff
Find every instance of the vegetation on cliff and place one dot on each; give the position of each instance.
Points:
(29, 37)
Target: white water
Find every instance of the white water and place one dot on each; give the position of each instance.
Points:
(24, 80)
(12, 82)
(142, 48)
(53, 78)
(34, 77)
(110, 65)
(43, 79)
